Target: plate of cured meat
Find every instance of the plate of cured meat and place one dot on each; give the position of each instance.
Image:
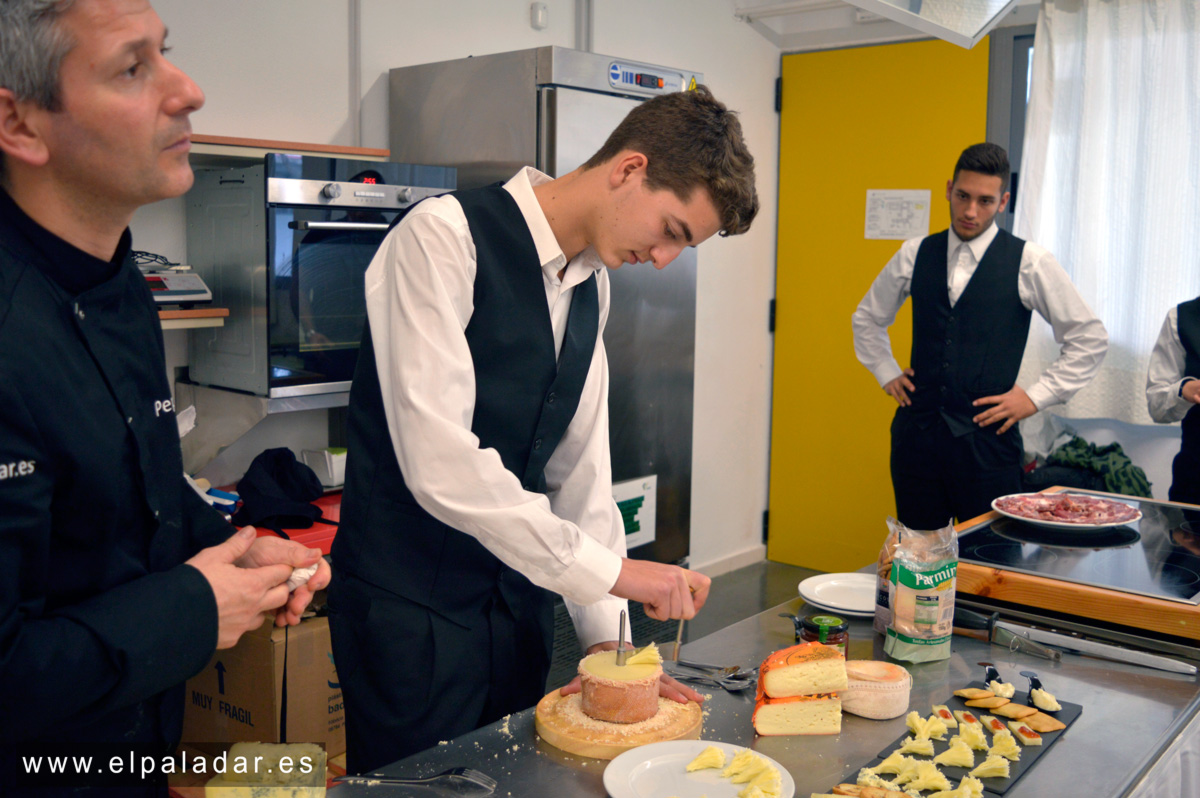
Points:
(1066, 510)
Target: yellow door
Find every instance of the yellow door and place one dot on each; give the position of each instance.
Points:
(888, 117)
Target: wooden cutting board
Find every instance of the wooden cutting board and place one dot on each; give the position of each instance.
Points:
(1086, 601)
(558, 722)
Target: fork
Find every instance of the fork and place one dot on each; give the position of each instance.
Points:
(713, 670)
(458, 781)
(731, 685)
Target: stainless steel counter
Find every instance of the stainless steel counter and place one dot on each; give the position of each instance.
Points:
(1130, 716)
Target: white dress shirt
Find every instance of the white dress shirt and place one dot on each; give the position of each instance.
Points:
(420, 297)
(1166, 376)
(1042, 285)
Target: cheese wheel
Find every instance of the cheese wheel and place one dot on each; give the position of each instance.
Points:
(618, 694)
(876, 690)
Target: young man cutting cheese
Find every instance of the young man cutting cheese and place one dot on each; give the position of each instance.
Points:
(955, 446)
(478, 477)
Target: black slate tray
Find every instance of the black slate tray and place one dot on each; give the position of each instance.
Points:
(1030, 754)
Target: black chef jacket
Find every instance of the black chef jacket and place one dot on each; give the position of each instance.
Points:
(100, 621)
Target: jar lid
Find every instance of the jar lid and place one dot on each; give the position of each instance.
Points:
(829, 624)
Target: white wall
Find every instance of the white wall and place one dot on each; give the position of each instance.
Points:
(281, 69)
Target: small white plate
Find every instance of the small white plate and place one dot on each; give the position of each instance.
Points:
(659, 769)
(852, 594)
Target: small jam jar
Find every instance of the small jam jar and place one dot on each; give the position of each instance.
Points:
(828, 629)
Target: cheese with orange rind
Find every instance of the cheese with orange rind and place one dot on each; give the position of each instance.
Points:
(800, 714)
(804, 669)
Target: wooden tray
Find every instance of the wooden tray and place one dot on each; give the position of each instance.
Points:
(556, 725)
(1154, 615)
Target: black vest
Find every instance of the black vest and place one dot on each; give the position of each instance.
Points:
(1189, 335)
(974, 348)
(524, 402)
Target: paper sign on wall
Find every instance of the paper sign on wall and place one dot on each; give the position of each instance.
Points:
(637, 499)
(898, 214)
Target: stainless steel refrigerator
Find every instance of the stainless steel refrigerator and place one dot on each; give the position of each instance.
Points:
(552, 108)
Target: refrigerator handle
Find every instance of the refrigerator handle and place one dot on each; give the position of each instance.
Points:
(547, 134)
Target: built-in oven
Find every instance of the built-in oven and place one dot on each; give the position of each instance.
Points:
(284, 246)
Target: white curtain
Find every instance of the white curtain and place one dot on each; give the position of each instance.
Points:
(1110, 179)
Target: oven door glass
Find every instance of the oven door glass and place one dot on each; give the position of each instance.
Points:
(317, 306)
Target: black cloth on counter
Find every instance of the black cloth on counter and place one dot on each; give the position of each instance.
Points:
(432, 634)
(1048, 476)
(100, 620)
(277, 491)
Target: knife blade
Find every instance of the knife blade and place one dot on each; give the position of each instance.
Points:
(1015, 642)
(1095, 648)
(621, 650)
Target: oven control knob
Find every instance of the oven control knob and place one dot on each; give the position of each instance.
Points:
(331, 191)
(404, 194)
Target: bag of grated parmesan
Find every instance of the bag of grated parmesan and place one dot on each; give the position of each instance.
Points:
(921, 593)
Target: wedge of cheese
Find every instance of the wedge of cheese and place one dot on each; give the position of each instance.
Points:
(806, 669)
(801, 714)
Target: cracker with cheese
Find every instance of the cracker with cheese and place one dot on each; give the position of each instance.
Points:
(942, 713)
(993, 724)
(967, 716)
(1026, 735)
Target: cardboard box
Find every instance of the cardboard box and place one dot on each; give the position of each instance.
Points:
(238, 697)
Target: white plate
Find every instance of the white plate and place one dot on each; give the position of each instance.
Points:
(851, 594)
(659, 769)
(1064, 524)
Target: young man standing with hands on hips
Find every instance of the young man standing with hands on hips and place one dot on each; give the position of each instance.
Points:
(955, 444)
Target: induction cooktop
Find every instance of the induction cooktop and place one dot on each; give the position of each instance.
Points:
(1157, 556)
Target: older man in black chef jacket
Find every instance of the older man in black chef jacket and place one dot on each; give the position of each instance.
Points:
(954, 442)
(118, 581)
